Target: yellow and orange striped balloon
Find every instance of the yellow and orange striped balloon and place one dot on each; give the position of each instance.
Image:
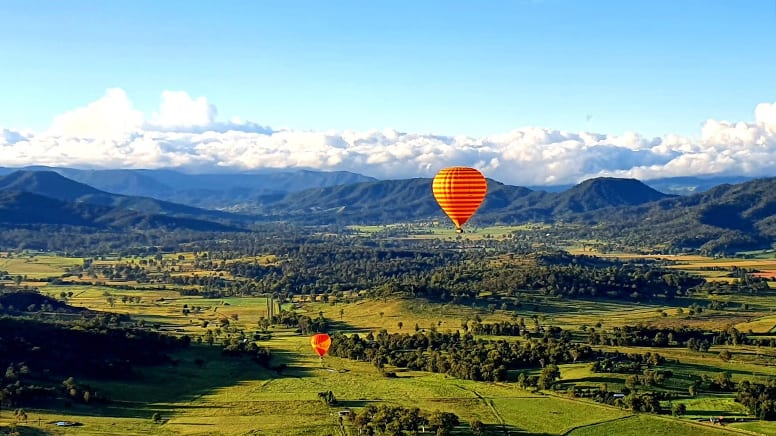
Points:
(459, 192)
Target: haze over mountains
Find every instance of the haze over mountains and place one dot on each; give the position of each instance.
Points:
(731, 216)
(202, 190)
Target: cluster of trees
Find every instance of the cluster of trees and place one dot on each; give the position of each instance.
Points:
(503, 328)
(648, 336)
(743, 282)
(622, 363)
(631, 400)
(96, 346)
(121, 271)
(693, 338)
(17, 386)
(759, 398)
(385, 419)
(241, 346)
(86, 241)
(438, 270)
(549, 375)
(303, 323)
(328, 398)
(458, 355)
(80, 393)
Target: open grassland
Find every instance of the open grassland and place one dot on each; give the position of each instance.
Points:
(36, 266)
(641, 425)
(757, 427)
(551, 414)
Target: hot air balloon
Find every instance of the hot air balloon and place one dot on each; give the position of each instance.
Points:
(321, 343)
(459, 192)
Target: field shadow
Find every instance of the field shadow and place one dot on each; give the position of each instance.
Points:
(24, 430)
(716, 413)
(173, 389)
(338, 326)
(349, 404)
(594, 379)
(506, 430)
(697, 368)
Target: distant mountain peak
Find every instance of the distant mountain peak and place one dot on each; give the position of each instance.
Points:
(48, 183)
(603, 192)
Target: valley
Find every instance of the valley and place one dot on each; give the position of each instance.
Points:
(404, 280)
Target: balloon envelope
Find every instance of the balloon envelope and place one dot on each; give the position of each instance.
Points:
(459, 192)
(321, 343)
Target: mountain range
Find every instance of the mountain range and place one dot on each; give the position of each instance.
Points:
(726, 217)
(212, 191)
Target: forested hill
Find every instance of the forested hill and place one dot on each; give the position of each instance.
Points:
(726, 218)
(406, 200)
(723, 219)
(26, 209)
(54, 186)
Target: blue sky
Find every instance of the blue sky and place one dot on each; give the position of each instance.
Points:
(442, 67)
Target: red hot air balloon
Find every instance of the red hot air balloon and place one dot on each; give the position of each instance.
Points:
(459, 192)
(320, 343)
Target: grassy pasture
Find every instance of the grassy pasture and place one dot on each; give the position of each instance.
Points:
(38, 265)
(640, 425)
(757, 427)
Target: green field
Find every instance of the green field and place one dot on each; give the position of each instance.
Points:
(36, 266)
(651, 425)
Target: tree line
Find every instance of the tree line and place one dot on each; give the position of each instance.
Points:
(459, 355)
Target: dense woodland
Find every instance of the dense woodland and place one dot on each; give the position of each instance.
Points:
(458, 355)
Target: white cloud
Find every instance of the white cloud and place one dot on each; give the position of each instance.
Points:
(179, 110)
(186, 133)
(110, 116)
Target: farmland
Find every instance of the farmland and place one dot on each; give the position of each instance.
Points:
(202, 391)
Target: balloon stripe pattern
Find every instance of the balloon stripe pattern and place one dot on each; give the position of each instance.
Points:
(320, 343)
(459, 192)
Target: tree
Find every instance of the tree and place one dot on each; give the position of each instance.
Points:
(400, 324)
(725, 355)
(549, 374)
(679, 409)
(157, 417)
(20, 415)
(477, 427)
(444, 422)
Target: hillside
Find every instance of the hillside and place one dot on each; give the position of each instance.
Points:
(26, 209)
(600, 193)
(53, 185)
(724, 219)
(407, 200)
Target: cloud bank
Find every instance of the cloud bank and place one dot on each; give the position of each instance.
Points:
(186, 133)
